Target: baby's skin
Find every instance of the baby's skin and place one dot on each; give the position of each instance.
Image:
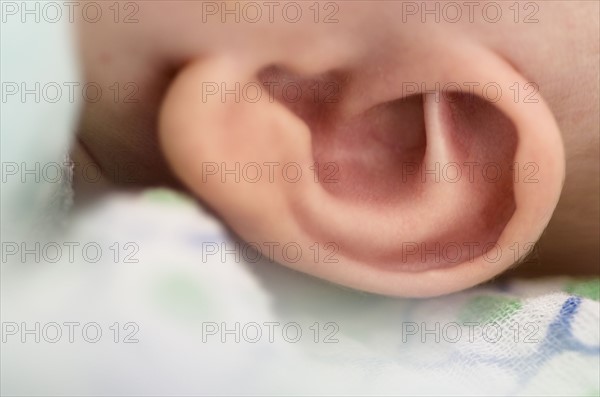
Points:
(396, 147)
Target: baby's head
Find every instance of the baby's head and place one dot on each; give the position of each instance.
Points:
(398, 147)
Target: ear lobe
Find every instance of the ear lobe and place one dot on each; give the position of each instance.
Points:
(395, 220)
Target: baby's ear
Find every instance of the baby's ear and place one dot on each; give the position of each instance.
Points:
(409, 195)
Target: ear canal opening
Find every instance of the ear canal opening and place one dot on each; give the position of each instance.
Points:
(372, 151)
